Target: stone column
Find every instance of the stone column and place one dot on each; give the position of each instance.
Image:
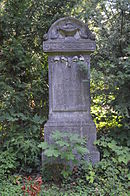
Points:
(69, 44)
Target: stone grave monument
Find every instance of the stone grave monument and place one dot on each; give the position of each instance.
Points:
(68, 45)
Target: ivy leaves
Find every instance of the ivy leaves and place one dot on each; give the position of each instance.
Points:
(122, 153)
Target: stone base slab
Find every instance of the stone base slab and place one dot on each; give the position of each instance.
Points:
(84, 129)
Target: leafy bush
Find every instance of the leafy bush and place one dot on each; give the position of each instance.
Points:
(24, 76)
(8, 164)
(108, 177)
(112, 150)
(9, 189)
(66, 148)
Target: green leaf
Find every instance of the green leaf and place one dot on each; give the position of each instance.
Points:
(82, 150)
(37, 119)
(43, 145)
(51, 152)
(69, 156)
(62, 143)
(112, 144)
(128, 176)
(66, 173)
(57, 135)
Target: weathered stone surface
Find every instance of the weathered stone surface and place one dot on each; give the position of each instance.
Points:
(69, 35)
(68, 44)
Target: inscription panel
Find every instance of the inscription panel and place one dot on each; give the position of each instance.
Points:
(69, 92)
(55, 46)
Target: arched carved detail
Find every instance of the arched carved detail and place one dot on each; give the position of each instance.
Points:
(69, 28)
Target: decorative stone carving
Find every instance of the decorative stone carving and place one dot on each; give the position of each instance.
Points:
(56, 59)
(75, 59)
(81, 58)
(67, 43)
(69, 27)
(67, 35)
(64, 59)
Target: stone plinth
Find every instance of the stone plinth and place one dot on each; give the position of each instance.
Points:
(69, 44)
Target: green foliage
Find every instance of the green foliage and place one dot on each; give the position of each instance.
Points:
(110, 175)
(8, 164)
(83, 67)
(24, 93)
(9, 189)
(65, 147)
(110, 70)
(121, 154)
(24, 76)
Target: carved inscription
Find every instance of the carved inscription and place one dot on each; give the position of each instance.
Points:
(52, 46)
(68, 92)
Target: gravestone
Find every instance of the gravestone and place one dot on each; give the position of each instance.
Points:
(69, 44)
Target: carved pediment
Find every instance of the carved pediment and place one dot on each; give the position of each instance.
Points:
(69, 28)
